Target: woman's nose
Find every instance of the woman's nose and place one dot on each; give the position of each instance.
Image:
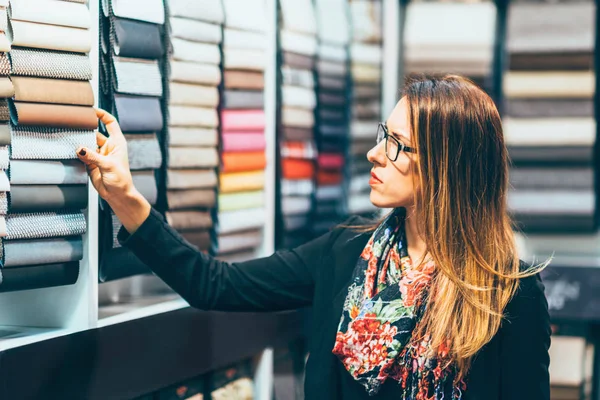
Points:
(377, 154)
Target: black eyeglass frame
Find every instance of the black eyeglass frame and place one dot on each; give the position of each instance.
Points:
(400, 146)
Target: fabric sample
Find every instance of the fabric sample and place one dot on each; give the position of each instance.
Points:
(302, 149)
(196, 31)
(245, 14)
(4, 182)
(532, 178)
(184, 179)
(30, 143)
(298, 43)
(39, 276)
(44, 225)
(240, 241)
(241, 200)
(4, 43)
(4, 134)
(363, 129)
(192, 72)
(241, 220)
(152, 11)
(553, 155)
(297, 77)
(5, 67)
(200, 137)
(332, 52)
(189, 220)
(186, 199)
(245, 161)
(330, 83)
(32, 172)
(247, 141)
(50, 37)
(242, 39)
(299, 187)
(294, 96)
(551, 61)
(299, 16)
(50, 64)
(193, 95)
(554, 202)
(19, 253)
(332, 21)
(145, 182)
(366, 73)
(539, 108)
(185, 50)
(139, 77)
(39, 198)
(367, 21)
(297, 117)
(53, 115)
(6, 87)
(143, 151)
(331, 68)
(5, 112)
(4, 207)
(245, 59)
(241, 181)
(329, 161)
(236, 120)
(54, 91)
(4, 157)
(199, 157)
(299, 61)
(136, 39)
(330, 192)
(297, 134)
(200, 239)
(202, 10)
(562, 84)
(250, 80)
(297, 169)
(295, 205)
(193, 116)
(138, 114)
(238, 99)
(549, 131)
(49, 12)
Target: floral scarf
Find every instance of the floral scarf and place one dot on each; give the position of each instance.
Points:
(385, 302)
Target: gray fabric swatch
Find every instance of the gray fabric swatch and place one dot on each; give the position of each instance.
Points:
(4, 134)
(139, 114)
(536, 108)
(552, 178)
(30, 142)
(32, 172)
(19, 253)
(38, 198)
(44, 225)
(195, 198)
(143, 151)
(243, 99)
(145, 182)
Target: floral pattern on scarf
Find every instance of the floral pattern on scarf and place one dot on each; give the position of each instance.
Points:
(384, 305)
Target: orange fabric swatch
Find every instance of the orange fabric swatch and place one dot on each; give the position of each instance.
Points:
(329, 178)
(54, 91)
(245, 161)
(297, 169)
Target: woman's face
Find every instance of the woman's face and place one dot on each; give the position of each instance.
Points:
(391, 182)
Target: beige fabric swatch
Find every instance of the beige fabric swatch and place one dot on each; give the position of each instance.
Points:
(54, 91)
(189, 220)
(191, 179)
(56, 116)
(6, 87)
(193, 116)
(241, 200)
(196, 31)
(297, 117)
(254, 60)
(366, 73)
(193, 95)
(202, 137)
(193, 72)
(545, 84)
(51, 37)
(549, 131)
(51, 12)
(193, 198)
(185, 50)
(4, 43)
(295, 96)
(241, 220)
(190, 157)
(242, 181)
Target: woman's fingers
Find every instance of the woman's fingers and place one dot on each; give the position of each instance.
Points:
(90, 158)
(112, 126)
(100, 139)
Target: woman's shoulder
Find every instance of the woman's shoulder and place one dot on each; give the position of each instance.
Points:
(529, 295)
(351, 232)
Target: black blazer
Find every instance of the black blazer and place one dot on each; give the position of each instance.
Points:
(513, 366)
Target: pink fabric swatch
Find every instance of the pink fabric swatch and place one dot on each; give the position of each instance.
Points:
(329, 161)
(252, 120)
(240, 141)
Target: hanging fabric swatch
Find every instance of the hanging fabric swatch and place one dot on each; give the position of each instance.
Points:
(549, 125)
(133, 73)
(51, 115)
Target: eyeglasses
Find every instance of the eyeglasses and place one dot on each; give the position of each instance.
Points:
(393, 146)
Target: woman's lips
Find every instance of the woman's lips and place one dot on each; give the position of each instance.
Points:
(374, 179)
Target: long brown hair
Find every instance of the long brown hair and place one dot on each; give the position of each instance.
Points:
(461, 178)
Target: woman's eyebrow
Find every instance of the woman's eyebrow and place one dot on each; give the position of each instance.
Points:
(400, 135)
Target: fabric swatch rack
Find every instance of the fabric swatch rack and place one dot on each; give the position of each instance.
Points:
(549, 124)
(366, 63)
(242, 176)
(195, 86)
(332, 113)
(297, 152)
(51, 115)
(132, 65)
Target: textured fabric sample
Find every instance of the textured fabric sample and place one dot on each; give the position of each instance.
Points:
(539, 108)
(6, 87)
(4, 43)
(297, 117)
(245, 14)
(152, 11)
(297, 77)
(39, 198)
(199, 157)
(30, 143)
(294, 96)
(241, 181)
(300, 187)
(245, 161)
(50, 64)
(136, 39)
(299, 16)
(55, 91)
(549, 131)
(241, 220)
(247, 141)
(5, 67)
(244, 80)
(139, 114)
(196, 31)
(552, 178)
(143, 151)
(32, 172)
(4, 206)
(139, 77)
(189, 220)
(4, 157)
(244, 59)
(145, 182)
(202, 10)
(297, 169)
(44, 225)
(241, 39)
(238, 99)
(293, 205)
(236, 120)
(193, 116)
(240, 241)
(195, 198)
(554, 202)
(19, 253)
(51, 13)
(200, 137)
(39, 276)
(53, 116)
(192, 179)
(298, 43)
(241, 200)
(192, 72)
(549, 84)
(4, 111)
(193, 95)
(560, 27)
(185, 50)
(50, 37)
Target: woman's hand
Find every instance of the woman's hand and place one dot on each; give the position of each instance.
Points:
(108, 168)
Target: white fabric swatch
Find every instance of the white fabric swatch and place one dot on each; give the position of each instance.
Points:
(239, 39)
(201, 10)
(366, 53)
(193, 95)
(254, 60)
(298, 43)
(298, 117)
(4, 183)
(51, 12)
(193, 116)
(50, 37)
(332, 52)
(180, 136)
(294, 96)
(292, 205)
(552, 202)
(550, 84)
(197, 31)
(185, 50)
(191, 179)
(136, 76)
(299, 16)
(150, 11)
(193, 157)
(245, 14)
(550, 131)
(332, 21)
(241, 220)
(192, 72)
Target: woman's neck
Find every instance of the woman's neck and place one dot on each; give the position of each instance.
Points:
(417, 248)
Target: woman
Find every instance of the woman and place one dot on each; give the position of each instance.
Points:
(431, 303)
